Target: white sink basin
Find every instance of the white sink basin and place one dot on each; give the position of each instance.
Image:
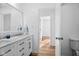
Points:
(74, 44)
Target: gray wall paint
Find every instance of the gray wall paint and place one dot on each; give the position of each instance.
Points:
(70, 25)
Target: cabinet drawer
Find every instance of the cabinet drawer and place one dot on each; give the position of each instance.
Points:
(21, 43)
(20, 47)
(9, 54)
(6, 50)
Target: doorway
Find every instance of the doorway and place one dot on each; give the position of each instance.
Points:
(45, 48)
(45, 31)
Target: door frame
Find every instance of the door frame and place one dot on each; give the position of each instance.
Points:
(50, 30)
(40, 27)
(58, 29)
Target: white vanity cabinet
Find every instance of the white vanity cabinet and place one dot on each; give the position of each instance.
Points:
(22, 47)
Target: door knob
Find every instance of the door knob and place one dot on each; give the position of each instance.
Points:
(59, 38)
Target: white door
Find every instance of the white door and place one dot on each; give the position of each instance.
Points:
(58, 30)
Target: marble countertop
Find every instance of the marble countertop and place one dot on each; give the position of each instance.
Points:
(5, 42)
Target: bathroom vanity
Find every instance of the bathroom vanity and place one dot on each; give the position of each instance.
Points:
(16, 46)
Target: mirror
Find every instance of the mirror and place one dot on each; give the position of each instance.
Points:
(10, 18)
(6, 22)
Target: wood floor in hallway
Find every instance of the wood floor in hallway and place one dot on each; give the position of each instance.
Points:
(45, 49)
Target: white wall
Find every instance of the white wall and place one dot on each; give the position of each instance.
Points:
(70, 25)
(31, 18)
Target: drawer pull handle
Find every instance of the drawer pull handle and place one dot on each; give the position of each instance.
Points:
(21, 50)
(29, 45)
(21, 43)
(7, 51)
